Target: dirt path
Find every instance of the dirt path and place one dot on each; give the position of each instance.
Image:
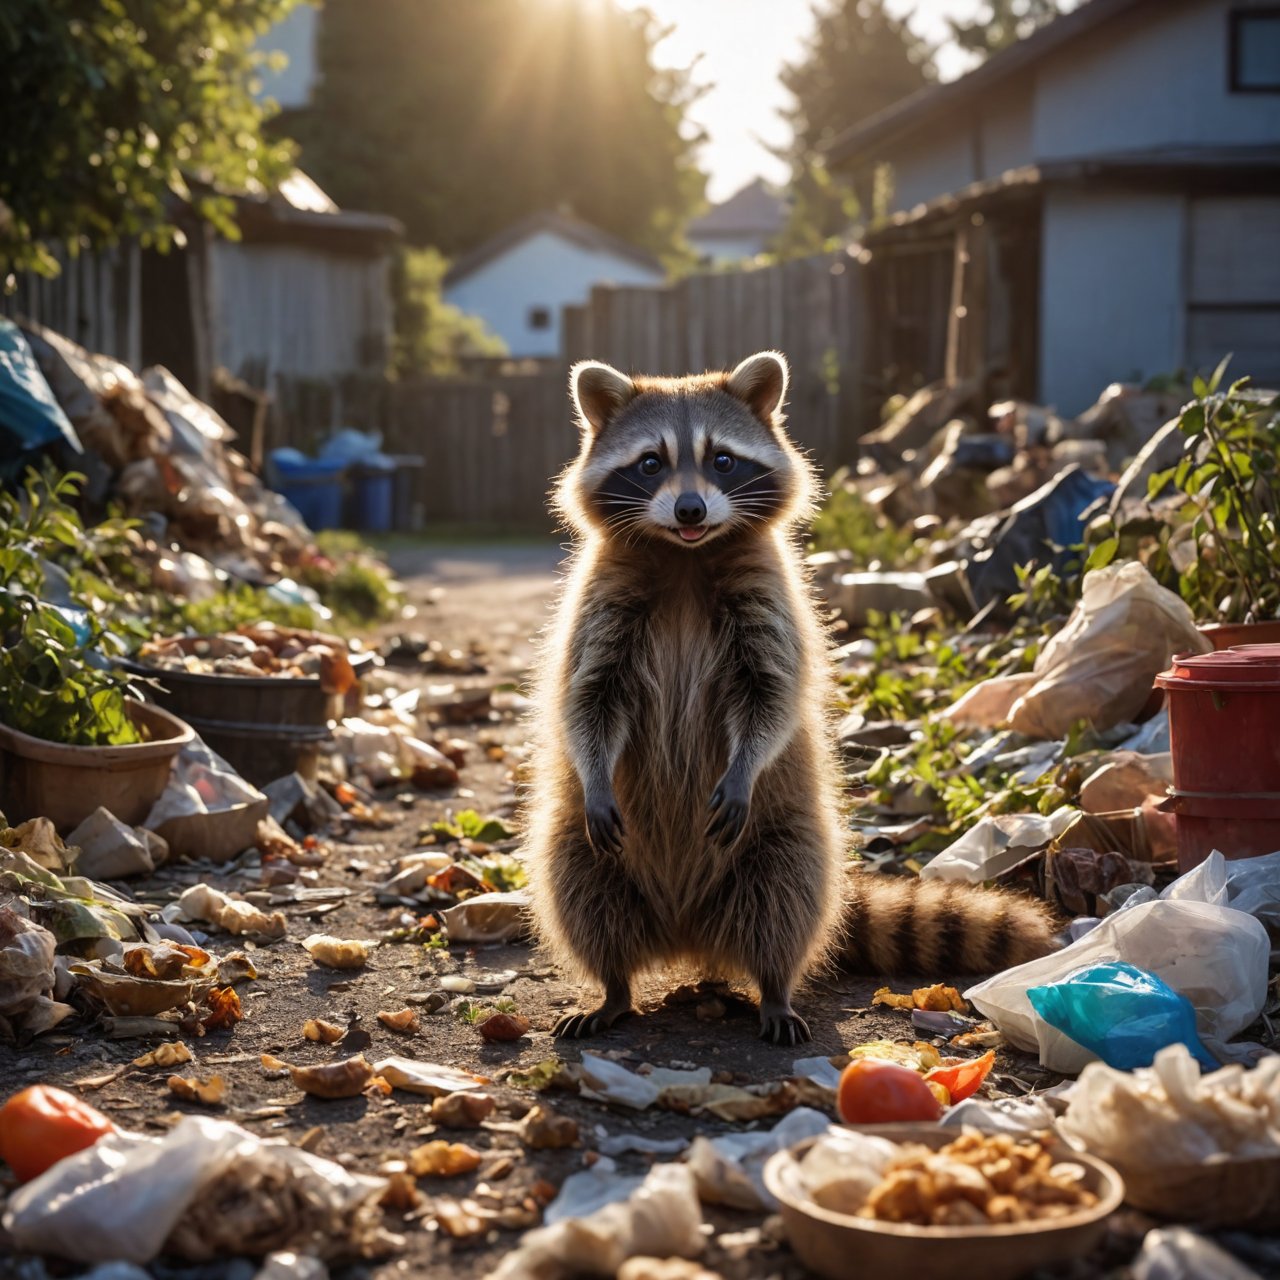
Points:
(488, 601)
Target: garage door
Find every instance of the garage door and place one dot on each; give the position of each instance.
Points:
(1234, 298)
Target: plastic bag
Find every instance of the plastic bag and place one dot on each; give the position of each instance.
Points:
(1101, 665)
(128, 1197)
(201, 781)
(730, 1169)
(1212, 954)
(1177, 1253)
(996, 844)
(1122, 1014)
(661, 1219)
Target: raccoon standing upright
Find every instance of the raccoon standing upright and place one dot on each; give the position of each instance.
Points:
(685, 795)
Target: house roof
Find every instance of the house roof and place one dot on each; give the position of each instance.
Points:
(553, 222)
(757, 207)
(870, 135)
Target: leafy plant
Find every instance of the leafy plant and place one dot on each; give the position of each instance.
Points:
(468, 823)
(350, 579)
(848, 522)
(56, 678)
(1228, 568)
(235, 606)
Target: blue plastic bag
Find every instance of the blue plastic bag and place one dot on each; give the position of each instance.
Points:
(1122, 1013)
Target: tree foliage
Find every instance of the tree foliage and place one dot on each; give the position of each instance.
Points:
(1002, 23)
(859, 60)
(461, 118)
(431, 334)
(111, 108)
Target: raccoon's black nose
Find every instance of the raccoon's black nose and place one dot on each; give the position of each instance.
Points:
(690, 509)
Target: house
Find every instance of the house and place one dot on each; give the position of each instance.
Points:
(1100, 201)
(303, 294)
(740, 227)
(519, 280)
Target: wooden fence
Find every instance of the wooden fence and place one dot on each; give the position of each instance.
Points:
(493, 440)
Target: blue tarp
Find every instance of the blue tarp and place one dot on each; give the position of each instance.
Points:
(30, 418)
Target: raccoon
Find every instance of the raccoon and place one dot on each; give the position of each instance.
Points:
(685, 798)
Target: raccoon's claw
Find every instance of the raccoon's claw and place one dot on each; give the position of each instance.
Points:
(604, 827)
(580, 1026)
(785, 1029)
(729, 810)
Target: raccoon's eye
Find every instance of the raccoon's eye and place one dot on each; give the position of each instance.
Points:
(723, 462)
(650, 464)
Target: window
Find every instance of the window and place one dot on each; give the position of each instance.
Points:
(1254, 50)
(539, 317)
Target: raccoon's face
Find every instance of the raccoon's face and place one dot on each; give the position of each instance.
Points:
(684, 460)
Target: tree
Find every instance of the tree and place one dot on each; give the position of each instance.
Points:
(432, 335)
(113, 110)
(461, 118)
(1002, 23)
(859, 60)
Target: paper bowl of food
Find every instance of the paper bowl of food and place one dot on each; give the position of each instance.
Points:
(882, 1199)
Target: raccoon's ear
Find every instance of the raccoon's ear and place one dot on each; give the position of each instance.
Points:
(599, 393)
(760, 382)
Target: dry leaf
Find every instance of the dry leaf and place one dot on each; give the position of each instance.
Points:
(237, 967)
(405, 1020)
(165, 961)
(443, 1159)
(337, 953)
(189, 1089)
(324, 1032)
(503, 1026)
(225, 1009)
(543, 1129)
(274, 1066)
(462, 1110)
(335, 1079)
(164, 1055)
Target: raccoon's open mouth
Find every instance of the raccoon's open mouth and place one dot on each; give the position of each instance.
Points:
(692, 533)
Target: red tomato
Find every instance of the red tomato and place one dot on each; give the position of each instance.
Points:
(41, 1125)
(874, 1092)
(962, 1079)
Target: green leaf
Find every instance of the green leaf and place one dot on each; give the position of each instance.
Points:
(1102, 555)
(1216, 380)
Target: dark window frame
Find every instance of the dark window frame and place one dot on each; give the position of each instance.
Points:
(538, 318)
(1235, 21)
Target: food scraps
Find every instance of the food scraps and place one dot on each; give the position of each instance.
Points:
(976, 1180)
(322, 1032)
(337, 953)
(937, 998)
(403, 1020)
(874, 1092)
(462, 1110)
(544, 1129)
(343, 1079)
(40, 1125)
(164, 1055)
(503, 1026)
(441, 1159)
(224, 1009)
(205, 903)
(211, 1092)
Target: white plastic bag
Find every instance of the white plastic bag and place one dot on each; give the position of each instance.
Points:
(997, 844)
(1101, 665)
(1214, 955)
(123, 1198)
(730, 1169)
(1178, 1253)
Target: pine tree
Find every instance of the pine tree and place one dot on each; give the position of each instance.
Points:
(1004, 22)
(859, 61)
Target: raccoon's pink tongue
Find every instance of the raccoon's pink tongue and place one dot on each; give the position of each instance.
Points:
(692, 535)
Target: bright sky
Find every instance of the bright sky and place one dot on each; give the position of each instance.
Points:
(743, 45)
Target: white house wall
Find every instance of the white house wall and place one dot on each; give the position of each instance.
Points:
(729, 248)
(1112, 291)
(1156, 78)
(543, 271)
(283, 309)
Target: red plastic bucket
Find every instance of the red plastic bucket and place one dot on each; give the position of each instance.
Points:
(1224, 734)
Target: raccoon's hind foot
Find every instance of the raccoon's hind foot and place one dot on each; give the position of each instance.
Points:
(780, 1024)
(579, 1026)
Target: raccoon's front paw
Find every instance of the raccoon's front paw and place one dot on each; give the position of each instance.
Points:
(730, 805)
(604, 825)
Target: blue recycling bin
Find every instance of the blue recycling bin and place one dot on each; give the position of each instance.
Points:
(312, 486)
(373, 493)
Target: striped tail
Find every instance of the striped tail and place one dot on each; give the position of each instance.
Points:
(902, 925)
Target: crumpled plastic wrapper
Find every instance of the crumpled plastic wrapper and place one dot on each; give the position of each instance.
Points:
(203, 902)
(207, 1189)
(730, 1170)
(1169, 1113)
(489, 917)
(660, 1219)
(27, 977)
